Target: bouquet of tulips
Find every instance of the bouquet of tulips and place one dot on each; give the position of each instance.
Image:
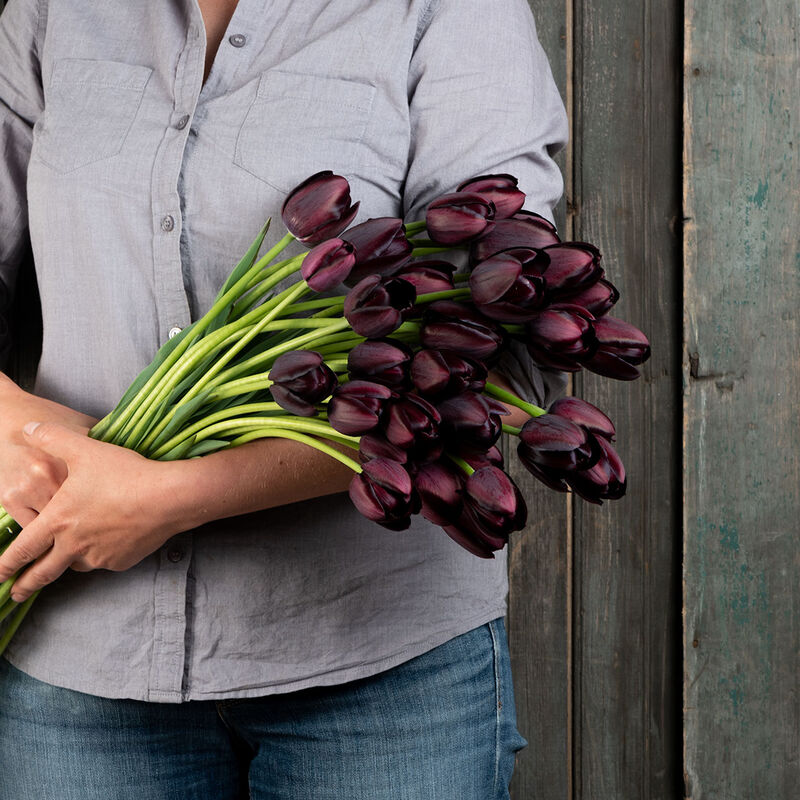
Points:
(394, 372)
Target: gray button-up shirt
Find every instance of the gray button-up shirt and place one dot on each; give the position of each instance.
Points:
(139, 188)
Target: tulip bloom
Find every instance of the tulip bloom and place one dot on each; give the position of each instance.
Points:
(448, 325)
(561, 336)
(380, 246)
(328, 264)
(376, 445)
(459, 217)
(524, 229)
(620, 346)
(582, 413)
(441, 373)
(597, 298)
(319, 208)
(551, 447)
(355, 407)
(471, 421)
(383, 493)
(375, 306)
(604, 480)
(502, 290)
(300, 380)
(500, 189)
(412, 423)
(383, 361)
(493, 506)
(439, 484)
(570, 266)
(427, 276)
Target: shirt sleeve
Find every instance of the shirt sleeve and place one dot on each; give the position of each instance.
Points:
(21, 103)
(482, 100)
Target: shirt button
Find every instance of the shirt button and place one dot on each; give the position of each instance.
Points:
(174, 555)
(173, 332)
(167, 223)
(182, 122)
(238, 40)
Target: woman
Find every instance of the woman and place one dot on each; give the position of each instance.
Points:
(294, 650)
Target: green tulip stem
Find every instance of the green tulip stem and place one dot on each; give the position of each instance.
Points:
(511, 430)
(110, 426)
(461, 464)
(428, 251)
(225, 413)
(5, 588)
(449, 294)
(337, 364)
(313, 305)
(513, 400)
(16, 621)
(286, 298)
(515, 328)
(319, 335)
(263, 433)
(413, 228)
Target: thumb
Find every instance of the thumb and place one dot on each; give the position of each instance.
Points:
(56, 439)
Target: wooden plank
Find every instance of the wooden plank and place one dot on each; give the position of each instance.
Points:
(742, 378)
(537, 618)
(627, 634)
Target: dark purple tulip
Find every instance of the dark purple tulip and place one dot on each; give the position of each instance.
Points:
(319, 208)
(493, 506)
(412, 423)
(448, 325)
(471, 420)
(500, 189)
(356, 406)
(589, 417)
(469, 541)
(383, 493)
(384, 361)
(328, 264)
(442, 373)
(489, 458)
(459, 217)
(503, 291)
(427, 276)
(620, 346)
(375, 306)
(300, 380)
(524, 229)
(570, 266)
(598, 298)
(605, 480)
(551, 447)
(376, 445)
(562, 337)
(381, 247)
(439, 484)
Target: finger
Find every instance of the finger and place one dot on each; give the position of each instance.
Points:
(54, 438)
(43, 571)
(36, 538)
(20, 513)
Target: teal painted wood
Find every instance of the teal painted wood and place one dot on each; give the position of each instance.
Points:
(627, 202)
(537, 618)
(742, 378)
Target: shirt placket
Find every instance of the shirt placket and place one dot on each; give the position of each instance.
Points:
(173, 311)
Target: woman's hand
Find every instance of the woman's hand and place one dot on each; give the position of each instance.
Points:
(113, 508)
(29, 477)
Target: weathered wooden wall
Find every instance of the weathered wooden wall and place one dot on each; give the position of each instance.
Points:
(741, 432)
(594, 599)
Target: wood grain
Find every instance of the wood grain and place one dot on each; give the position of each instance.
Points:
(627, 105)
(742, 378)
(537, 618)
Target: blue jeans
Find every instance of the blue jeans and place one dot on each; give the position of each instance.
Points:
(441, 726)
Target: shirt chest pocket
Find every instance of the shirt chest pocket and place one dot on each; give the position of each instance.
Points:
(89, 109)
(300, 124)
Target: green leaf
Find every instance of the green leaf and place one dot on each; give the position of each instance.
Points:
(155, 418)
(248, 259)
(206, 446)
(179, 451)
(182, 415)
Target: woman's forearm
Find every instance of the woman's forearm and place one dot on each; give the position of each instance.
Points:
(255, 476)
